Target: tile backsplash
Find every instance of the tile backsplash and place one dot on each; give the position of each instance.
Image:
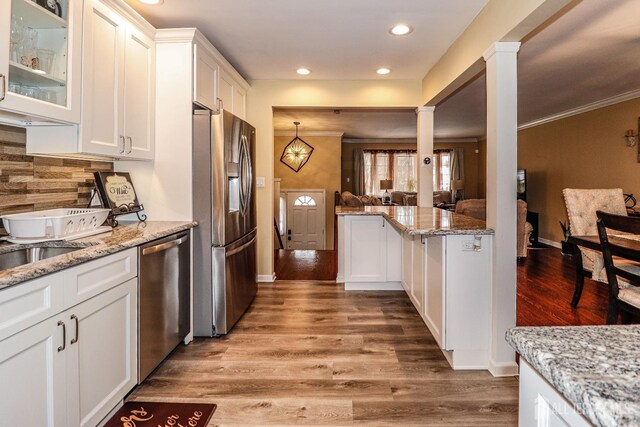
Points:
(29, 183)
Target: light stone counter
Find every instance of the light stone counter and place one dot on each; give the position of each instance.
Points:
(596, 368)
(422, 221)
(126, 235)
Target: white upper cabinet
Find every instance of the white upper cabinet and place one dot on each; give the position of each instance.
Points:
(102, 126)
(139, 94)
(205, 81)
(40, 62)
(118, 93)
(215, 82)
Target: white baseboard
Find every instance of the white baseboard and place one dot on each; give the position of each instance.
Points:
(340, 278)
(550, 243)
(503, 369)
(373, 286)
(266, 278)
(188, 338)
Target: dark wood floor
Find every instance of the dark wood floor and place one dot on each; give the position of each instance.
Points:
(305, 265)
(546, 280)
(308, 353)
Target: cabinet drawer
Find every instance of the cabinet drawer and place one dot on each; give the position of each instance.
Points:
(26, 304)
(92, 278)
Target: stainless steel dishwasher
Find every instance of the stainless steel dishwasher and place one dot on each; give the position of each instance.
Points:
(164, 309)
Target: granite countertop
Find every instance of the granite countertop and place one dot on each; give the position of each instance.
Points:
(424, 221)
(124, 236)
(597, 368)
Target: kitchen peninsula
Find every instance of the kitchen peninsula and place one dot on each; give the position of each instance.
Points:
(441, 259)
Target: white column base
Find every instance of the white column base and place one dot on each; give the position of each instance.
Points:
(373, 286)
(266, 278)
(505, 369)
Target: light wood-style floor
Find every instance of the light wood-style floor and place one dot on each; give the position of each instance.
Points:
(308, 353)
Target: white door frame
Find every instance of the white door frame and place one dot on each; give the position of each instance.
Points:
(285, 193)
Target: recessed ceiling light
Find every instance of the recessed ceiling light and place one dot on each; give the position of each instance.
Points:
(401, 30)
(153, 2)
(383, 71)
(303, 71)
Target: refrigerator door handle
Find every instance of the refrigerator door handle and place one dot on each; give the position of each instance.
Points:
(241, 248)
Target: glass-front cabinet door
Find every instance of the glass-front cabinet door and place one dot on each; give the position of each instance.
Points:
(40, 54)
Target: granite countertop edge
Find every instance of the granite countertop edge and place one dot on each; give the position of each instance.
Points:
(125, 236)
(418, 231)
(580, 384)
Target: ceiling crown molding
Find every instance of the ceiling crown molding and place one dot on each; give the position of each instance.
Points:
(583, 109)
(380, 141)
(308, 133)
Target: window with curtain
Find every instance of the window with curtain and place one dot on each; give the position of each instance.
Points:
(400, 166)
(442, 170)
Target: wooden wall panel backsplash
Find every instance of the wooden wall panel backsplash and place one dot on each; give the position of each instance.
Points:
(29, 183)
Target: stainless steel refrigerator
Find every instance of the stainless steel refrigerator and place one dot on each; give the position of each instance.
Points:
(224, 267)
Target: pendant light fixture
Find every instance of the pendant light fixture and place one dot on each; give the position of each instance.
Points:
(296, 154)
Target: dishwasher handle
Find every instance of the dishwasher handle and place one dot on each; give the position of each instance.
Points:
(164, 246)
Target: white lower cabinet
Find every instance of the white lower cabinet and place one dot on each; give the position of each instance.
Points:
(73, 368)
(34, 377)
(541, 405)
(372, 254)
(449, 282)
(105, 353)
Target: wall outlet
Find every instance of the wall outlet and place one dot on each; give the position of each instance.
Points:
(468, 245)
(260, 181)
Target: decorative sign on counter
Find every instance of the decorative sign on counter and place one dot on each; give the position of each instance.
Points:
(118, 194)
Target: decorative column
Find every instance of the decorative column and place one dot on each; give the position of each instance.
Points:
(502, 157)
(425, 150)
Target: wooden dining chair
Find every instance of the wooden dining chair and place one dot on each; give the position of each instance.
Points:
(620, 261)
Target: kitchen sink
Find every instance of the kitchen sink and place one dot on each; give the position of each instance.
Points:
(24, 256)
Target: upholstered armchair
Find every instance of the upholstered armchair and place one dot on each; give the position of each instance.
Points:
(477, 208)
(349, 199)
(582, 206)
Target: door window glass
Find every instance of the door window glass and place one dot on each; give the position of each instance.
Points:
(304, 201)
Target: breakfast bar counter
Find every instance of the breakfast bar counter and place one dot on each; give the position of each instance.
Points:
(416, 220)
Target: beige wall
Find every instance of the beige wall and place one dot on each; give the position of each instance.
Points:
(583, 151)
(347, 157)
(266, 94)
(322, 171)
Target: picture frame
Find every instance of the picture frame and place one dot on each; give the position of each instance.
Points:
(118, 194)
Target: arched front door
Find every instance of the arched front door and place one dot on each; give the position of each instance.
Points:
(305, 219)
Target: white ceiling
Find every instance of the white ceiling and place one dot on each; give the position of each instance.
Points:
(589, 54)
(336, 39)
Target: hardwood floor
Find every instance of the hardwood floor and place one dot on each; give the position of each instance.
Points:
(546, 280)
(308, 353)
(305, 265)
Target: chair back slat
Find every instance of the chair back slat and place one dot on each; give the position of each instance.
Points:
(620, 223)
